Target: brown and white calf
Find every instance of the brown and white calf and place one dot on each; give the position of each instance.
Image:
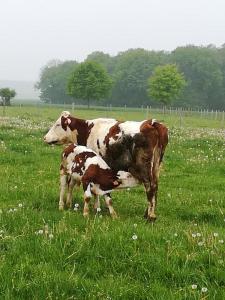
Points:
(106, 136)
(81, 165)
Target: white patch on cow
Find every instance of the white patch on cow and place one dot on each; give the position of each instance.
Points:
(80, 149)
(127, 180)
(98, 133)
(130, 127)
(96, 160)
(154, 121)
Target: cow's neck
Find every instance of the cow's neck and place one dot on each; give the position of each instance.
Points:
(80, 130)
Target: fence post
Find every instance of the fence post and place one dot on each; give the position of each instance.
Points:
(222, 122)
(147, 109)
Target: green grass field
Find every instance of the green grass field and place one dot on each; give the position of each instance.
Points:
(47, 254)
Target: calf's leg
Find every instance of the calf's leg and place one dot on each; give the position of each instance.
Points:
(71, 185)
(63, 185)
(108, 201)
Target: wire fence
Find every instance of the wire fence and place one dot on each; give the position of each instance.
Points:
(146, 111)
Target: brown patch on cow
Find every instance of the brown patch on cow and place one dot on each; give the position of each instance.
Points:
(80, 126)
(68, 150)
(106, 178)
(79, 162)
(113, 132)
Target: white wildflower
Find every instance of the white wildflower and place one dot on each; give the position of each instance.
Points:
(98, 209)
(76, 205)
(135, 225)
(40, 231)
(193, 235)
(200, 243)
(215, 234)
(204, 289)
(198, 234)
(51, 236)
(175, 234)
(194, 286)
(134, 237)
(20, 205)
(221, 241)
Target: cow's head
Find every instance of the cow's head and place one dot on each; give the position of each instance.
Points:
(61, 132)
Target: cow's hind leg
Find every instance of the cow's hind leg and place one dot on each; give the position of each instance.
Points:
(151, 187)
(108, 201)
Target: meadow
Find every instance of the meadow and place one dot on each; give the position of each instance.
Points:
(48, 254)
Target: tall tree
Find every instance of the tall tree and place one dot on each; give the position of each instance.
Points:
(165, 84)
(89, 81)
(7, 94)
(53, 81)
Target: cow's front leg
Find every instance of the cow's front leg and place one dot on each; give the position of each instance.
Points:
(71, 184)
(108, 201)
(87, 198)
(63, 184)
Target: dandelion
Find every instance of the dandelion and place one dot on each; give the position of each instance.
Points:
(175, 234)
(200, 244)
(20, 205)
(134, 237)
(204, 289)
(76, 206)
(98, 209)
(15, 209)
(51, 236)
(215, 234)
(194, 286)
(193, 235)
(40, 231)
(135, 225)
(221, 241)
(128, 189)
(15, 187)
(210, 200)
(198, 234)
(10, 210)
(195, 224)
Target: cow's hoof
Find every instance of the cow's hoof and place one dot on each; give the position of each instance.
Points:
(151, 219)
(61, 208)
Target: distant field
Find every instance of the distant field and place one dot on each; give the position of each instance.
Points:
(47, 254)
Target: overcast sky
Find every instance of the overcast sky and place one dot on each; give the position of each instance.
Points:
(32, 32)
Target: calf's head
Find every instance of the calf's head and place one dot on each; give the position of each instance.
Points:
(61, 133)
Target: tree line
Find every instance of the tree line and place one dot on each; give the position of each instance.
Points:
(133, 77)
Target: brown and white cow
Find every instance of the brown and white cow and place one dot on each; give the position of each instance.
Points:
(105, 137)
(81, 165)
